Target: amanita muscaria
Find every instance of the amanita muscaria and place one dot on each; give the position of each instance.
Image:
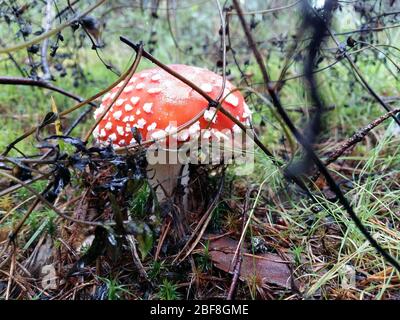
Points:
(156, 104)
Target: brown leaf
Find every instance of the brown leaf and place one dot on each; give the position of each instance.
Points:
(271, 268)
(4, 232)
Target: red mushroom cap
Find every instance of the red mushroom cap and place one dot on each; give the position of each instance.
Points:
(153, 99)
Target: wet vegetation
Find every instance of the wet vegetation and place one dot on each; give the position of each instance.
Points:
(317, 216)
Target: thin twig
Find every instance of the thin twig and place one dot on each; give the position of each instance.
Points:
(6, 80)
(43, 52)
(237, 260)
(357, 137)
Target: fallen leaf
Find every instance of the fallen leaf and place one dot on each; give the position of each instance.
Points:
(271, 268)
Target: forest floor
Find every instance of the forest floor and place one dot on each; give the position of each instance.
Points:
(291, 247)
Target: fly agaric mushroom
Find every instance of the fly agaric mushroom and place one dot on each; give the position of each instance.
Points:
(156, 104)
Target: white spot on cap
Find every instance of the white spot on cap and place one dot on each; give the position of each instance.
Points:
(128, 88)
(117, 114)
(120, 130)
(96, 113)
(122, 142)
(126, 119)
(210, 115)
(159, 134)
(144, 75)
(102, 133)
(99, 111)
(106, 96)
(154, 90)
(135, 100)
(170, 129)
(152, 126)
(128, 107)
(119, 102)
(236, 128)
(113, 95)
(232, 99)
(247, 112)
(206, 87)
(221, 136)
(183, 135)
(194, 128)
(131, 118)
(206, 134)
(140, 85)
(128, 128)
(112, 137)
(156, 77)
(147, 107)
(140, 124)
(108, 125)
(138, 112)
(96, 132)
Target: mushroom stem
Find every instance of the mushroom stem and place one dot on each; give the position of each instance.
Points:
(164, 172)
(164, 178)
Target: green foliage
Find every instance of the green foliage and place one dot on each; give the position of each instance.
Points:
(156, 269)
(115, 290)
(138, 203)
(168, 291)
(203, 260)
(145, 239)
